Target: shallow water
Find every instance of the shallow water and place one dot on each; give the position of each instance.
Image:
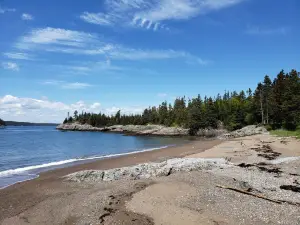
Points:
(27, 151)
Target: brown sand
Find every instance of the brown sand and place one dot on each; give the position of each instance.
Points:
(182, 198)
(50, 193)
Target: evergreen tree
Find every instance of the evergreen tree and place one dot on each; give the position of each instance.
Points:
(275, 103)
(2, 123)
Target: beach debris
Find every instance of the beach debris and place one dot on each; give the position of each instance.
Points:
(259, 196)
(249, 193)
(266, 142)
(261, 167)
(285, 142)
(293, 188)
(266, 152)
(295, 174)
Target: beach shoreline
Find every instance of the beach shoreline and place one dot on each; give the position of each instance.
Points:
(35, 171)
(17, 194)
(261, 165)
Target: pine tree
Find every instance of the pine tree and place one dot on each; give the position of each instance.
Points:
(2, 123)
(267, 97)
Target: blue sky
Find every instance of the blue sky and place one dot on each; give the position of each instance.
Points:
(105, 55)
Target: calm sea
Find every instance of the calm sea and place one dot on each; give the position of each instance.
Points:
(27, 151)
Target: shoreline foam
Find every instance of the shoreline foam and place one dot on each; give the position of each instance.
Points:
(55, 165)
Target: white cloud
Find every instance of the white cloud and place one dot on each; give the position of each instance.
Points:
(140, 54)
(162, 95)
(76, 85)
(10, 66)
(45, 110)
(256, 30)
(151, 13)
(97, 18)
(26, 16)
(18, 55)
(81, 43)
(66, 85)
(4, 10)
(40, 110)
(95, 105)
(124, 110)
(55, 36)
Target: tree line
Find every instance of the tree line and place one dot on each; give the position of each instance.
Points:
(2, 123)
(274, 103)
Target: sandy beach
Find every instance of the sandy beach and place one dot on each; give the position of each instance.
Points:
(261, 165)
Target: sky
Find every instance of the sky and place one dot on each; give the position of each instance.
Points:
(104, 55)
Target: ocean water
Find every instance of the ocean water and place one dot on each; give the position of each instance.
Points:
(27, 151)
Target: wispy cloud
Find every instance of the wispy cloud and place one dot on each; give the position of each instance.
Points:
(10, 66)
(162, 95)
(26, 16)
(4, 10)
(256, 30)
(67, 85)
(76, 85)
(56, 37)
(81, 43)
(155, 13)
(18, 55)
(98, 18)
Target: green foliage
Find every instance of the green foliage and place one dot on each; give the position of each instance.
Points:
(249, 119)
(66, 120)
(70, 120)
(268, 127)
(286, 133)
(274, 103)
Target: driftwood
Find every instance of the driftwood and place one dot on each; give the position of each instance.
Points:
(249, 193)
(259, 196)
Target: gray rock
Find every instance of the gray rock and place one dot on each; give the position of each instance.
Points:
(157, 130)
(147, 170)
(78, 127)
(246, 131)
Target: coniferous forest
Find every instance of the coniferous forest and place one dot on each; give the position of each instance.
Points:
(2, 123)
(273, 103)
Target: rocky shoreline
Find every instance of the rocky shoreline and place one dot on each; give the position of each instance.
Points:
(154, 130)
(159, 130)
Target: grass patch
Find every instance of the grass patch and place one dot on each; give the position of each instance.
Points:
(286, 133)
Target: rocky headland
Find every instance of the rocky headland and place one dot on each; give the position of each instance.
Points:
(159, 130)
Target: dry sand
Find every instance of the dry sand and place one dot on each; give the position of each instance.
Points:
(181, 198)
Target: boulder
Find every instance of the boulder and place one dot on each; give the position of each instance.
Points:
(246, 131)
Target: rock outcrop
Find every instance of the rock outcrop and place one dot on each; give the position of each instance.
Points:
(246, 131)
(156, 130)
(78, 127)
(148, 170)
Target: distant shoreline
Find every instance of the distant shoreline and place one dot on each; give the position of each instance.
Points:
(16, 123)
